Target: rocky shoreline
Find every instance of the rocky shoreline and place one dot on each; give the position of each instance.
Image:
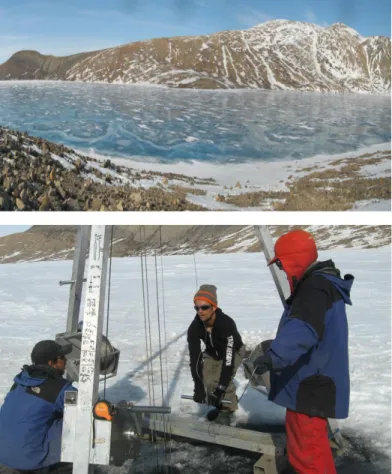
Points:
(38, 175)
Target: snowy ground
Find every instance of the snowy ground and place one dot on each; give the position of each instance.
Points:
(34, 307)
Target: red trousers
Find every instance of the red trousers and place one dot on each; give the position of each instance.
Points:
(308, 446)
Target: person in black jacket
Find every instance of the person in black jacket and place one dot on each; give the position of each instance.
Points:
(214, 369)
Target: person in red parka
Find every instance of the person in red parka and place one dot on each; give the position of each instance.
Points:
(308, 359)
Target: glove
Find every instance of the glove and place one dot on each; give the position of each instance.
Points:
(199, 393)
(263, 364)
(215, 398)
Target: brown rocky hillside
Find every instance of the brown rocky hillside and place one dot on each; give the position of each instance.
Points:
(277, 54)
(57, 242)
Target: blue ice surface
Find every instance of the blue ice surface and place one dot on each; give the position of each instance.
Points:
(169, 125)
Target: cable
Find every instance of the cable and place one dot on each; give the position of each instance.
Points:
(159, 323)
(145, 315)
(145, 322)
(194, 263)
(148, 316)
(163, 307)
(247, 385)
(167, 432)
(160, 348)
(150, 340)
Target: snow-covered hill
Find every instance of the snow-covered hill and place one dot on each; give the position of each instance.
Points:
(278, 54)
(57, 242)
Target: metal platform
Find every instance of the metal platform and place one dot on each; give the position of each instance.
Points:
(270, 446)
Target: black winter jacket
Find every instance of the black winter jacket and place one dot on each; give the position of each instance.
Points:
(221, 343)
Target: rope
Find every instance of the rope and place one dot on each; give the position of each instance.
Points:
(159, 323)
(108, 306)
(160, 347)
(165, 340)
(148, 335)
(148, 317)
(145, 315)
(163, 307)
(149, 354)
(145, 321)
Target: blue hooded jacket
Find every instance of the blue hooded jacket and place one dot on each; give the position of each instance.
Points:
(31, 419)
(310, 366)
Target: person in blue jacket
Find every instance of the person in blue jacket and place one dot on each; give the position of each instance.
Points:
(32, 412)
(308, 359)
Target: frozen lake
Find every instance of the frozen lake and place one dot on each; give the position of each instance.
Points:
(171, 125)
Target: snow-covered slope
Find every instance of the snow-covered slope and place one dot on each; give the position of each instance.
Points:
(57, 242)
(278, 54)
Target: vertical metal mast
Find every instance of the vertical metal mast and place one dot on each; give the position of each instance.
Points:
(76, 282)
(265, 238)
(90, 347)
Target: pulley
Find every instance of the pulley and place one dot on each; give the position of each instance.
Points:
(109, 355)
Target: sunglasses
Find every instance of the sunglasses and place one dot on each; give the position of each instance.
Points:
(279, 264)
(204, 307)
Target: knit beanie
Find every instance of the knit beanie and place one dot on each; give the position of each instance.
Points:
(207, 293)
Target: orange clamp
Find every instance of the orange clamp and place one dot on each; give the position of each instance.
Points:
(103, 410)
